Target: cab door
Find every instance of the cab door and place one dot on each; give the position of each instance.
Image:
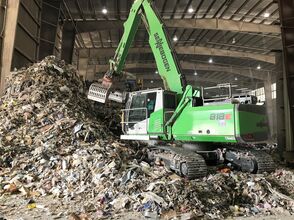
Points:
(143, 105)
(164, 109)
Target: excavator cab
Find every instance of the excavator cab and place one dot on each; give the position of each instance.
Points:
(146, 113)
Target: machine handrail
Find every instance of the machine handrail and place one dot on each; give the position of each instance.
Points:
(124, 123)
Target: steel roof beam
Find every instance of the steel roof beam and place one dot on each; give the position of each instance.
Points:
(189, 50)
(90, 25)
(197, 81)
(191, 79)
(222, 24)
(256, 74)
(157, 78)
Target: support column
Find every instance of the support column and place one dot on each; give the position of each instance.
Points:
(91, 71)
(289, 153)
(49, 22)
(280, 108)
(68, 42)
(269, 104)
(83, 59)
(286, 8)
(12, 9)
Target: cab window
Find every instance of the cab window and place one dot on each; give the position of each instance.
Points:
(151, 101)
(137, 112)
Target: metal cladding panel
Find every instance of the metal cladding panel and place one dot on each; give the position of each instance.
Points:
(68, 41)
(49, 25)
(286, 8)
(253, 123)
(27, 33)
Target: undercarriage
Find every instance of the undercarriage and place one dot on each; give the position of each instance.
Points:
(191, 162)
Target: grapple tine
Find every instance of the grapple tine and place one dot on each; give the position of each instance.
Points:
(98, 93)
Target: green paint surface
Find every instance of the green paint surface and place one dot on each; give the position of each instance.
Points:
(156, 123)
(213, 123)
(204, 124)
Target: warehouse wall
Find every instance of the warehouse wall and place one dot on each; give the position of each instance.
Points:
(50, 28)
(27, 33)
(27, 39)
(22, 33)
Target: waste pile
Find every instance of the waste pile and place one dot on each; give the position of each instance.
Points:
(110, 116)
(54, 142)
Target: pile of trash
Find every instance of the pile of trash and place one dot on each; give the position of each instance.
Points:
(54, 142)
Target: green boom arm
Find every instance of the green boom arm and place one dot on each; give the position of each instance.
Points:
(130, 29)
(161, 47)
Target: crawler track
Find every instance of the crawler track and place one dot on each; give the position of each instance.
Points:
(183, 162)
(251, 160)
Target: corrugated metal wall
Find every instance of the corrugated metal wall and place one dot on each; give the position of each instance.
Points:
(27, 33)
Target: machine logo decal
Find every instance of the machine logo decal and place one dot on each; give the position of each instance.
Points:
(220, 116)
(159, 46)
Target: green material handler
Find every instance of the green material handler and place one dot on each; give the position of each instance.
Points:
(205, 131)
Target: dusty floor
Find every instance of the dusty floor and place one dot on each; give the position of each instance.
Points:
(47, 207)
(15, 208)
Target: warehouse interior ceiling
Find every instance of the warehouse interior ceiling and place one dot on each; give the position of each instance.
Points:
(218, 41)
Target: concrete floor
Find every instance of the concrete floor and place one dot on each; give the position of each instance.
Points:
(15, 208)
